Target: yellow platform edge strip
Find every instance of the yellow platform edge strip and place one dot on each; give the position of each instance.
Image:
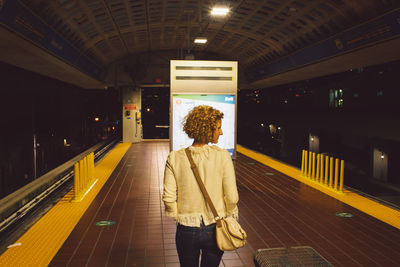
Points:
(41, 242)
(370, 207)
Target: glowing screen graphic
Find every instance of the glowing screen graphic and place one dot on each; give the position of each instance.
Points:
(183, 103)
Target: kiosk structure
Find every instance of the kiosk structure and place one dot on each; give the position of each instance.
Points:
(212, 83)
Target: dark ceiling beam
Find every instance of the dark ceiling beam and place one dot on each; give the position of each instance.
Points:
(293, 18)
(101, 35)
(109, 12)
(294, 37)
(221, 25)
(162, 37)
(128, 9)
(253, 11)
(179, 25)
(216, 27)
(149, 45)
(257, 36)
(74, 27)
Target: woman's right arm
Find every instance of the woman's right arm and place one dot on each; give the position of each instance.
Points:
(231, 194)
(170, 191)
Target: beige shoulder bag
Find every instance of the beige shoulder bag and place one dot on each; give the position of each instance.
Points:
(229, 233)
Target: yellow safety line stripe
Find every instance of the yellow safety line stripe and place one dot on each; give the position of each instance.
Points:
(42, 241)
(370, 207)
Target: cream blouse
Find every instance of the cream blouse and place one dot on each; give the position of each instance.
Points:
(182, 196)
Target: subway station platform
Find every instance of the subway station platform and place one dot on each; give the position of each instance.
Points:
(121, 221)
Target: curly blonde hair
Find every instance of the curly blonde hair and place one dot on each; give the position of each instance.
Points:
(201, 122)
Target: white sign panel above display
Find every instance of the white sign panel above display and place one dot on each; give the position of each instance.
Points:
(199, 75)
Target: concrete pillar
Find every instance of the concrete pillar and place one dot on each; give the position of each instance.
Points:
(131, 115)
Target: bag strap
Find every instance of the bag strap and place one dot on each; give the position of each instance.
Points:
(202, 187)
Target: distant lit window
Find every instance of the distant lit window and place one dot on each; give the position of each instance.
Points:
(336, 98)
(379, 92)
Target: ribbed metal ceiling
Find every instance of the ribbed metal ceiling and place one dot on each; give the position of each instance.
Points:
(255, 32)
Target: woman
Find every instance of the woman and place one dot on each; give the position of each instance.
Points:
(183, 198)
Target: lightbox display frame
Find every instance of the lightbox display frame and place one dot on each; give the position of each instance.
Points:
(171, 133)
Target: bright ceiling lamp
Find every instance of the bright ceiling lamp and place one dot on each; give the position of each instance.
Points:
(219, 11)
(200, 40)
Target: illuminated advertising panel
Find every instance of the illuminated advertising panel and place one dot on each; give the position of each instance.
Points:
(183, 103)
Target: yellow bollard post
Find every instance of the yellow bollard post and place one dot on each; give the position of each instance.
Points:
(302, 162)
(92, 164)
(318, 162)
(309, 163)
(89, 175)
(83, 179)
(81, 175)
(336, 173)
(321, 176)
(76, 179)
(305, 162)
(313, 167)
(86, 171)
(341, 175)
(326, 169)
(331, 172)
(90, 168)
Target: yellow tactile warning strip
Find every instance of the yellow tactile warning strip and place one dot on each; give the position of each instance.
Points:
(379, 211)
(41, 242)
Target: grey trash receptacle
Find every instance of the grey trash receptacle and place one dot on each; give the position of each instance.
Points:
(293, 256)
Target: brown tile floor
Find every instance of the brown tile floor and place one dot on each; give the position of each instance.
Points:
(276, 211)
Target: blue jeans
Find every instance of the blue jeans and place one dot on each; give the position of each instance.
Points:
(191, 240)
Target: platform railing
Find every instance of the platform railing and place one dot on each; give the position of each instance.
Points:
(22, 202)
(84, 178)
(323, 169)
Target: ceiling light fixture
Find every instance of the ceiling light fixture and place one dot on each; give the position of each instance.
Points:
(200, 40)
(219, 11)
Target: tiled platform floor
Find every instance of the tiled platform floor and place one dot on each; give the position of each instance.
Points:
(276, 211)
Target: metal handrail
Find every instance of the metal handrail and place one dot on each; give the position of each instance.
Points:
(17, 204)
